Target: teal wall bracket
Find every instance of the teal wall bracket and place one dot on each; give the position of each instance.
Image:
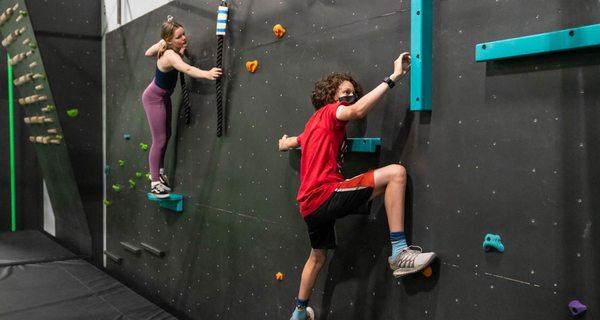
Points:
(421, 18)
(174, 202)
(363, 144)
(561, 40)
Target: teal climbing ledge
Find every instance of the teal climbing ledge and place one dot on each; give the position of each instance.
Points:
(561, 40)
(363, 144)
(174, 202)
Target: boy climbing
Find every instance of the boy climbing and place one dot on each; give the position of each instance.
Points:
(325, 196)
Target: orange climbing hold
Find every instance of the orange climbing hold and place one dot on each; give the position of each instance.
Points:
(252, 65)
(279, 276)
(427, 272)
(278, 30)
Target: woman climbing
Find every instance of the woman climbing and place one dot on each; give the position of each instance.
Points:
(157, 96)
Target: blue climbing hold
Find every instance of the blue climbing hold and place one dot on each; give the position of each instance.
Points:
(106, 170)
(126, 136)
(492, 241)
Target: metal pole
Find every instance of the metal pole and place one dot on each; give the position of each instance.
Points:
(119, 12)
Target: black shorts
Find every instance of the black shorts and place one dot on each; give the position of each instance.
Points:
(350, 197)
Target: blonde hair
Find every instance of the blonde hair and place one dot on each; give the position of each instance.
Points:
(167, 31)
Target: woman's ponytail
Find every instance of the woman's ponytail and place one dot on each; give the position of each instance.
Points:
(163, 47)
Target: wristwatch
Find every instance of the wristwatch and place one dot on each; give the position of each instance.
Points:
(389, 82)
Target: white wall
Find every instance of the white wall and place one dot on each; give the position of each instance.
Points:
(48, 213)
(130, 9)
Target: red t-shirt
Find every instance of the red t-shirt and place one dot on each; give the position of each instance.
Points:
(322, 142)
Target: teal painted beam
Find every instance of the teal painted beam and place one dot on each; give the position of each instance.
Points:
(174, 202)
(561, 40)
(421, 17)
(363, 144)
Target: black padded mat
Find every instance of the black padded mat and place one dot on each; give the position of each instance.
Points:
(72, 289)
(30, 246)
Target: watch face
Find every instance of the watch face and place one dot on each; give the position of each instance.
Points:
(389, 81)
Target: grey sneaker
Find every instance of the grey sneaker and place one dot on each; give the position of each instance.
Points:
(160, 191)
(310, 315)
(163, 179)
(410, 260)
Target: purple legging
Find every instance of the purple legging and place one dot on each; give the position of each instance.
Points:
(157, 104)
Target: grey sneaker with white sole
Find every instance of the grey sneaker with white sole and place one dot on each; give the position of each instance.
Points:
(160, 191)
(410, 260)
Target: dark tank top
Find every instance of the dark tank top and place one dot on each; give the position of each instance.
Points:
(166, 80)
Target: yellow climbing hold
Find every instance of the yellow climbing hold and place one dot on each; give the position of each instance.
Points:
(252, 65)
(278, 30)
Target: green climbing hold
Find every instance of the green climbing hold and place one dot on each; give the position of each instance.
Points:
(116, 187)
(106, 202)
(138, 174)
(32, 45)
(72, 113)
(131, 184)
(122, 163)
(143, 146)
(149, 176)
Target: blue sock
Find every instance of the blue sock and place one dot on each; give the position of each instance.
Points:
(300, 311)
(398, 240)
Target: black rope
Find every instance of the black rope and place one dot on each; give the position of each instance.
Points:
(219, 89)
(185, 100)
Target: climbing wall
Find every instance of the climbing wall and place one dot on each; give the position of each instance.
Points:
(508, 149)
(33, 94)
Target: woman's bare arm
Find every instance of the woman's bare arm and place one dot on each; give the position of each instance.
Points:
(177, 62)
(153, 50)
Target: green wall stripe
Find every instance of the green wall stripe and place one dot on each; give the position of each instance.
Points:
(11, 138)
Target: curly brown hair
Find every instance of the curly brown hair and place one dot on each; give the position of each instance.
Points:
(326, 87)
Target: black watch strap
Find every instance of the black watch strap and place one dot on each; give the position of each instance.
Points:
(389, 82)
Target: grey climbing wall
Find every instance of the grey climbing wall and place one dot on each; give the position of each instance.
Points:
(28, 176)
(509, 148)
(35, 98)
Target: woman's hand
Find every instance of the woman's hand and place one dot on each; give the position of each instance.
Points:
(283, 143)
(213, 73)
